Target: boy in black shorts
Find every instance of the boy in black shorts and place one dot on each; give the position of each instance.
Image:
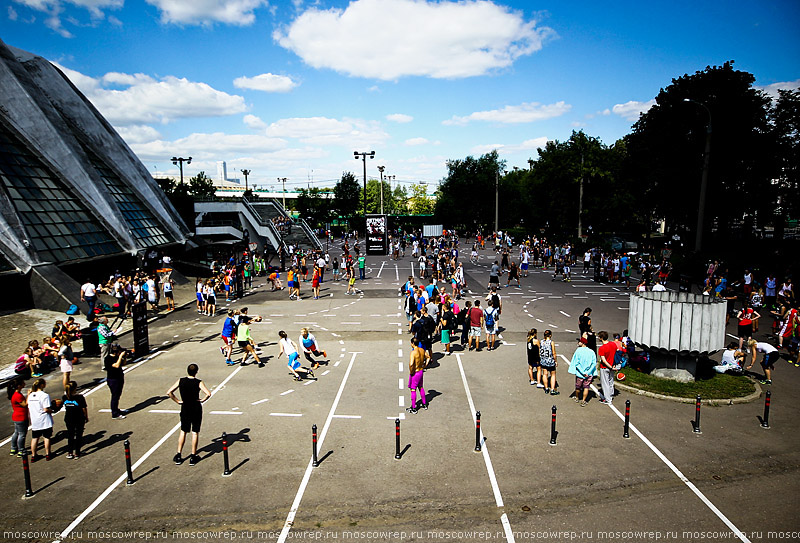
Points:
(191, 410)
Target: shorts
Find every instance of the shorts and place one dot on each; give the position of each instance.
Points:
(474, 331)
(410, 317)
(66, 365)
(293, 362)
(352, 281)
(445, 337)
(524, 266)
(534, 363)
(769, 360)
(244, 344)
(227, 341)
(200, 297)
(491, 330)
(415, 381)
(191, 420)
(212, 300)
(168, 294)
(746, 330)
(583, 382)
(46, 433)
(494, 279)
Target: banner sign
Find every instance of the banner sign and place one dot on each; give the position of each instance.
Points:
(377, 235)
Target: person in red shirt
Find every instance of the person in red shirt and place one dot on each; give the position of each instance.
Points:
(19, 416)
(605, 359)
(475, 320)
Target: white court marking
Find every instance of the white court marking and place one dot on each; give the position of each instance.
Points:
(226, 412)
(287, 392)
(347, 416)
(285, 414)
(260, 401)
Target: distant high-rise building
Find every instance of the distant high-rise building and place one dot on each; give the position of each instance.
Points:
(222, 171)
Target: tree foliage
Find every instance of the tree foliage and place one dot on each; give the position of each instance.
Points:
(463, 193)
(346, 196)
(313, 205)
(419, 203)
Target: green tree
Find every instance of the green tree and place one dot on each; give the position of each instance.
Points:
(462, 197)
(346, 196)
(665, 150)
(785, 126)
(420, 203)
(312, 204)
(201, 186)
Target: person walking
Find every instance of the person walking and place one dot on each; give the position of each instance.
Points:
(40, 414)
(76, 416)
(362, 265)
(66, 358)
(533, 347)
(19, 416)
(549, 363)
(246, 342)
(115, 378)
(228, 336)
(416, 371)
(583, 365)
(191, 410)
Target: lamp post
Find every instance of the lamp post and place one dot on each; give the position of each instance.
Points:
(580, 201)
(364, 155)
(283, 180)
(701, 206)
(380, 169)
(389, 178)
(245, 173)
(178, 161)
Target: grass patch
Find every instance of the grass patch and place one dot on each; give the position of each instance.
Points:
(719, 386)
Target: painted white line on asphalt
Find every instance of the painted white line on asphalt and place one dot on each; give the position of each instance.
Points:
(399, 341)
(308, 383)
(399, 366)
(401, 401)
(68, 530)
(335, 364)
(400, 383)
(396, 272)
(226, 413)
(380, 270)
(570, 331)
(170, 411)
(287, 392)
(552, 325)
(622, 308)
(498, 498)
(565, 314)
(341, 342)
(285, 414)
(732, 336)
(400, 353)
(343, 349)
(399, 331)
(347, 416)
(677, 472)
(260, 401)
(326, 372)
(300, 491)
(349, 322)
(539, 320)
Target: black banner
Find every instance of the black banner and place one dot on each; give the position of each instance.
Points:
(141, 340)
(377, 235)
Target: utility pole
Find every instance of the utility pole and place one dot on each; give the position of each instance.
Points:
(380, 169)
(245, 173)
(364, 155)
(580, 201)
(497, 200)
(178, 161)
(283, 180)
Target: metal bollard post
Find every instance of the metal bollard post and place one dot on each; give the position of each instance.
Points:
(478, 431)
(227, 472)
(697, 416)
(765, 420)
(553, 432)
(625, 433)
(314, 461)
(128, 462)
(397, 439)
(27, 470)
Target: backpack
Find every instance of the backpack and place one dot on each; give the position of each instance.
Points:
(495, 301)
(489, 317)
(73, 310)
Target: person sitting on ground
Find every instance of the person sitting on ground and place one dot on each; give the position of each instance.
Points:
(732, 360)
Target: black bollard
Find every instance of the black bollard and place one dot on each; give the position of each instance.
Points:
(227, 472)
(27, 470)
(397, 439)
(625, 433)
(765, 420)
(478, 431)
(314, 461)
(128, 462)
(553, 432)
(697, 416)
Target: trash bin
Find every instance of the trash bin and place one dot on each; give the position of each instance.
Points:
(685, 284)
(91, 343)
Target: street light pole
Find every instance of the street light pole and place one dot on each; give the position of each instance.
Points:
(497, 200)
(364, 155)
(580, 201)
(389, 178)
(283, 180)
(245, 173)
(701, 207)
(380, 169)
(178, 161)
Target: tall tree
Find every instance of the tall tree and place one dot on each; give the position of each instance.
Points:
(312, 204)
(463, 193)
(785, 124)
(420, 203)
(346, 196)
(201, 186)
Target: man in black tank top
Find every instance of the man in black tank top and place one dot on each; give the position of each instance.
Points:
(191, 410)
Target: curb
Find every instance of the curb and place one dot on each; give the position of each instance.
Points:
(714, 402)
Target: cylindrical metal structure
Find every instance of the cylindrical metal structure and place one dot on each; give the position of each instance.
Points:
(553, 432)
(397, 439)
(625, 433)
(765, 420)
(128, 462)
(697, 416)
(227, 471)
(314, 461)
(478, 431)
(26, 468)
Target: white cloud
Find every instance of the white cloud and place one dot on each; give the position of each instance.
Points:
(266, 82)
(143, 99)
(524, 113)
(389, 39)
(254, 122)
(209, 147)
(137, 133)
(54, 8)
(399, 118)
(417, 141)
(504, 149)
(773, 89)
(327, 131)
(207, 12)
(631, 110)
(12, 14)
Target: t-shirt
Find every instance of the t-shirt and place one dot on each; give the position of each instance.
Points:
(19, 413)
(37, 403)
(190, 393)
(288, 348)
(494, 271)
(765, 348)
(228, 326)
(746, 317)
(474, 315)
(73, 409)
(88, 289)
(308, 342)
(111, 371)
(608, 350)
(362, 262)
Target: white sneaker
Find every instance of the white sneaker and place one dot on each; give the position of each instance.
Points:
(539, 385)
(533, 382)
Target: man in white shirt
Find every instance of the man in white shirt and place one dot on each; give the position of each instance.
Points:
(321, 266)
(658, 287)
(89, 295)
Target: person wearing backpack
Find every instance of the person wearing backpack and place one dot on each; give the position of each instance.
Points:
(490, 321)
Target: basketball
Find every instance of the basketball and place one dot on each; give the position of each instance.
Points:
(620, 376)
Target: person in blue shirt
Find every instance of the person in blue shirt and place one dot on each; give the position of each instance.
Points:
(229, 335)
(583, 366)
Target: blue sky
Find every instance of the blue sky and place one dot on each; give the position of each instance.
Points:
(292, 88)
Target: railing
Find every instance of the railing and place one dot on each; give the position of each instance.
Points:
(264, 222)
